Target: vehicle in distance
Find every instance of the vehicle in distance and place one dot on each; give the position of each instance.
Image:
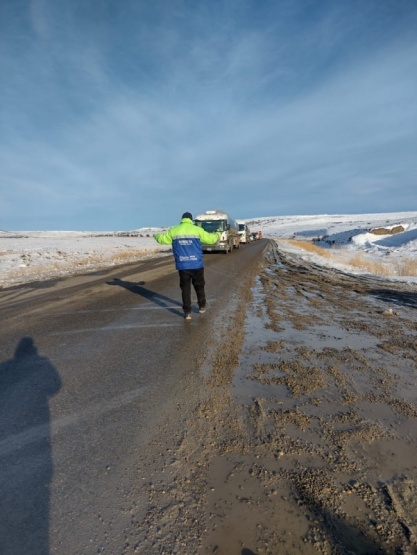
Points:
(256, 235)
(244, 232)
(217, 220)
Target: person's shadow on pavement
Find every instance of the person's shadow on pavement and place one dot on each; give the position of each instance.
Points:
(161, 300)
(27, 381)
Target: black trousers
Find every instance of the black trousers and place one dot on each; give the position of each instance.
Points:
(195, 277)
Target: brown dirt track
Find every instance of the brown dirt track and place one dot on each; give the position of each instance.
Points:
(303, 439)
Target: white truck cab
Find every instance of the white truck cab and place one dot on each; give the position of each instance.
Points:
(217, 220)
(244, 232)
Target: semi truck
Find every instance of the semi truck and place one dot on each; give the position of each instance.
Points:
(244, 232)
(256, 235)
(217, 220)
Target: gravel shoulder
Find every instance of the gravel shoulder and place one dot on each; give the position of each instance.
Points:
(298, 433)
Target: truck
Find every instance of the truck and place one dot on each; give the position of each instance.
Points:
(243, 231)
(256, 235)
(217, 220)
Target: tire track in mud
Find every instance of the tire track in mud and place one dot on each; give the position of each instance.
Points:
(303, 439)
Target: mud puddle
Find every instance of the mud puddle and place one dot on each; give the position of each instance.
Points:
(324, 420)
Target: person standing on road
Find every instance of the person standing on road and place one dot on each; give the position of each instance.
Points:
(186, 239)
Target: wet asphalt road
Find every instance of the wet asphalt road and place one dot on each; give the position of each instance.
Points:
(89, 365)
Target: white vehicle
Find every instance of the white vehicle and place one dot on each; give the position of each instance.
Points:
(217, 220)
(244, 232)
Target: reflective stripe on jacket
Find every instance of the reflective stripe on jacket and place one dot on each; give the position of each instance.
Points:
(186, 239)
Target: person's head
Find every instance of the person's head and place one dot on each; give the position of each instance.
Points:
(25, 348)
(187, 215)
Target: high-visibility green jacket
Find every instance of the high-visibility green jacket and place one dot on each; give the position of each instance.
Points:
(186, 239)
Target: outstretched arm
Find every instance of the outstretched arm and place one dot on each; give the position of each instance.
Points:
(163, 238)
(208, 238)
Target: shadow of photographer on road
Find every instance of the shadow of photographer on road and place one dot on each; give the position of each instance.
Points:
(27, 381)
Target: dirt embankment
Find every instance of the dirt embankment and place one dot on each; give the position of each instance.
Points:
(304, 438)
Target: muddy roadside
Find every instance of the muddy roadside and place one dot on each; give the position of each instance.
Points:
(303, 438)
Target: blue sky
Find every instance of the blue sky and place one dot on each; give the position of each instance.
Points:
(120, 114)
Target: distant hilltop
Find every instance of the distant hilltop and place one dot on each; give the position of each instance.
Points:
(142, 232)
(11, 235)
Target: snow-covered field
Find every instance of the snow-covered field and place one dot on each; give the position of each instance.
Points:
(384, 244)
(29, 256)
(346, 239)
